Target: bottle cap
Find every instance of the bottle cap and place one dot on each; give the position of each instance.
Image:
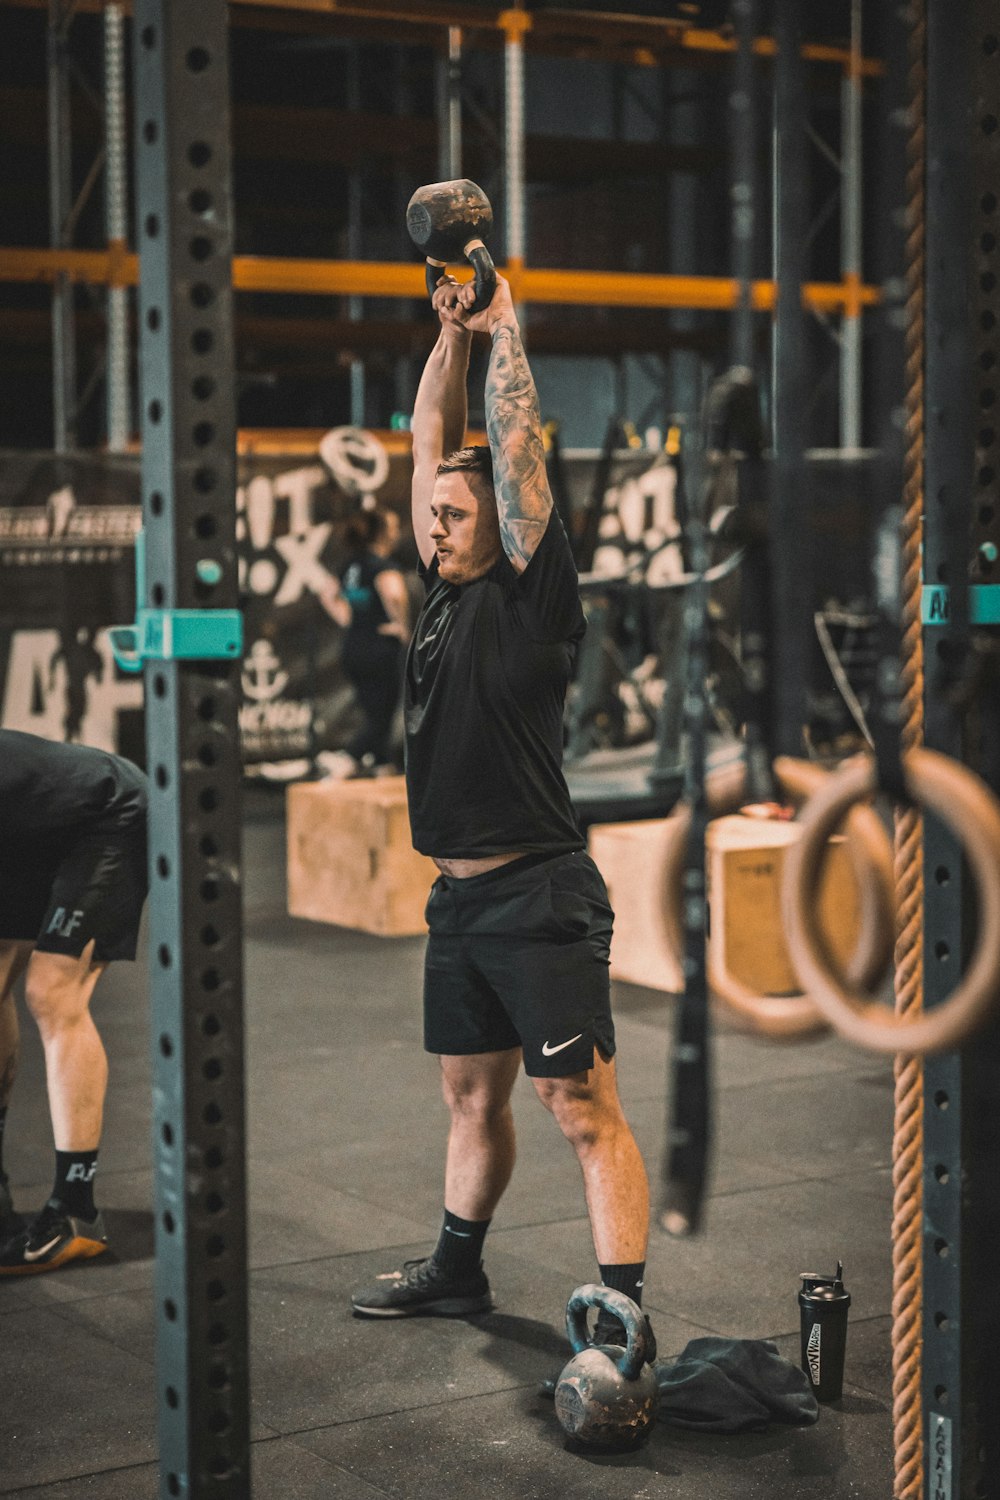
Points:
(825, 1288)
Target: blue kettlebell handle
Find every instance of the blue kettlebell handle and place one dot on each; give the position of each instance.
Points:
(629, 1360)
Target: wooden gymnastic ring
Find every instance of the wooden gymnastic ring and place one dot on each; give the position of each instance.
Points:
(969, 808)
(871, 856)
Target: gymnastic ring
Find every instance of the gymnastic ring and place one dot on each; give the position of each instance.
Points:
(971, 811)
(871, 858)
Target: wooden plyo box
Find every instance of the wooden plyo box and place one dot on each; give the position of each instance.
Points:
(744, 859)
(350, 859)
(630, 857)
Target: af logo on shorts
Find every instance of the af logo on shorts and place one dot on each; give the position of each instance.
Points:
(63, 924)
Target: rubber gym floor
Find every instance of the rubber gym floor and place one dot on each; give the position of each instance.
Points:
(345, 1132)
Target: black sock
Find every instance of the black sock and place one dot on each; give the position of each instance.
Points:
(3, 1122)
(460, 1245)
(627, 1279)
(74, 1184)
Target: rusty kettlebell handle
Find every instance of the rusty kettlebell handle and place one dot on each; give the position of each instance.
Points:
(449, 222)
(632, 1357)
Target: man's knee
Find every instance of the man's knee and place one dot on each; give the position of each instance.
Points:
(476, 1088)
(57, 989)
(584, 1110)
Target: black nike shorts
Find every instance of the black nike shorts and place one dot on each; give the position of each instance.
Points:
(59, 895)
(518, 957)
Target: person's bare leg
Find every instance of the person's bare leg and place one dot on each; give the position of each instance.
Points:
(589, 1113)
(13, 962)
(481, 1146)
(58, 991)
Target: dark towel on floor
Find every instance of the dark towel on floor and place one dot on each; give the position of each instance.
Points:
(734, 1385)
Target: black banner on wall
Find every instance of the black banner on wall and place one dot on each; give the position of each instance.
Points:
(67, 573)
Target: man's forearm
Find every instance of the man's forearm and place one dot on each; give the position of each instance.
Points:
(514, 425)
(440, 412)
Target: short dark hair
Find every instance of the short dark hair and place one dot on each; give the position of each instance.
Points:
(476, 460)
(365, 529)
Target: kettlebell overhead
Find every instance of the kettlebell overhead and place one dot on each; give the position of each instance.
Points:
(499, 547)
(450, 222)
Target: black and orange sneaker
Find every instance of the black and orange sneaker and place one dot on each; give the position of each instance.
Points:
(52, 1239)
(422, 1287)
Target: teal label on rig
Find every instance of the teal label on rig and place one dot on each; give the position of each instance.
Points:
(984, 604)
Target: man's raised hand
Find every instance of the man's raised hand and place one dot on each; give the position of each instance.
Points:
(452, 301)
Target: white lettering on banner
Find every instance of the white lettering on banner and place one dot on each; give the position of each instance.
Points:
(60, 523)
(296, 486)
(284, 504)
(288, 716)
(36, 690)
(301, 554)
(257, 503)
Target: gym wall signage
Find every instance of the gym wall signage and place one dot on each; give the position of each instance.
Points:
(67, 535)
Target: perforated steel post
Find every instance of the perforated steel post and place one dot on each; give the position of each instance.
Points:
(961, 1324)
(184, 238)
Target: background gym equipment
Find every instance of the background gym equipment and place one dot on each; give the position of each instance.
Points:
(606, 1396)
(968, 808)
(925, 101)
(726, 792)
(449, 222)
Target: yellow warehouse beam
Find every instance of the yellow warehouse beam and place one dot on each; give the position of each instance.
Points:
(366, 278)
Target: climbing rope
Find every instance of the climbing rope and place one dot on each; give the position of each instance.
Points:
(907, 1144)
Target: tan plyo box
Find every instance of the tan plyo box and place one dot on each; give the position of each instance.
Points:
(350, 858)
(744, 860)
(630, 857)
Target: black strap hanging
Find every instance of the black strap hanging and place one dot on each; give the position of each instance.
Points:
(689, 1133)
(789, 530)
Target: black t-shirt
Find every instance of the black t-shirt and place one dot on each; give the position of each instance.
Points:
(486, 680)
(53, 793)
(357, 582)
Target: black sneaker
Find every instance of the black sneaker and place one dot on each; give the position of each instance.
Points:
(52, 1239)
(607, 1330)
(423, 1287)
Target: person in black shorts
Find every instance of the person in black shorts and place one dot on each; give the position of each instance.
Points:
(519, 923)
(370, 601)
(73, 881)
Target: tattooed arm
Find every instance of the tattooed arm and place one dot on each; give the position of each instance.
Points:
(514, 427)
(513, 423)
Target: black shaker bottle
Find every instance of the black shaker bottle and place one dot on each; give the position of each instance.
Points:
(823, 1305)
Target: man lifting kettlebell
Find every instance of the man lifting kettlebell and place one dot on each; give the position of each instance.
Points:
(519, 922)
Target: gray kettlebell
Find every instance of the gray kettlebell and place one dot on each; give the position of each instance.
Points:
(606, 1396)
(451, 221)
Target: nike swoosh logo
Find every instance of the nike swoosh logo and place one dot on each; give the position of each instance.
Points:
(547, 1051)
(37, 1254)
